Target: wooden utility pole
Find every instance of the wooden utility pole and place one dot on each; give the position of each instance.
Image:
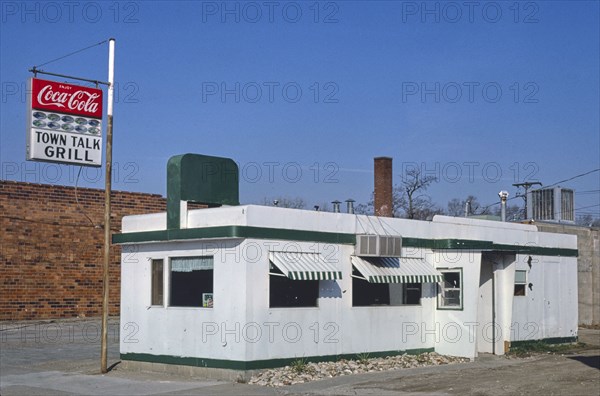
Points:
(107, 191)
(526, 186)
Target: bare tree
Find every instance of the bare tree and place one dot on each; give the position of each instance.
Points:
(409, 198)
(366, 208)
(513, 212)
(324, 206)
(457, 207)
(587, 220)
(285, 202)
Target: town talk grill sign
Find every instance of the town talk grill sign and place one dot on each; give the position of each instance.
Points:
(64, 123)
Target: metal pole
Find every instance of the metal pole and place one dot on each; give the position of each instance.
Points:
(494, 309)
(503, 196)
(107, 191)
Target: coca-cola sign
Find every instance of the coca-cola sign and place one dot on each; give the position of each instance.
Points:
(66, 98)
(64, 123)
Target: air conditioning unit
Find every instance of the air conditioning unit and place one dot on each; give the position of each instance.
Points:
(378, 246)
(554, 204)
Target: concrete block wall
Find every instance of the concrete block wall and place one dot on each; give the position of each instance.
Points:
(51, 253)
(588, 268)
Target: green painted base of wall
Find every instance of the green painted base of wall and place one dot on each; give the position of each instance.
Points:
(258, 364)
(549, 341)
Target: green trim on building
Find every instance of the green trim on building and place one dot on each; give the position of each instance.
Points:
(452, 244)
(467, 244)
(204, 179)
(258, 364)
(549, 341)
(537, 250)
(236, 231)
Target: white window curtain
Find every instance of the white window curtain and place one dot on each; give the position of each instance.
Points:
(189, 264)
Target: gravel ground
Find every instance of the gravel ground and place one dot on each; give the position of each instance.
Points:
(305, 372)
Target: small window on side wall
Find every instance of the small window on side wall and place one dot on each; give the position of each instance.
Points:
(157, 282)
(520, 283)
(450, 289)
(412, 293)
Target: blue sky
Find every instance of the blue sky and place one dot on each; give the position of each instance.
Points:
(303, 95)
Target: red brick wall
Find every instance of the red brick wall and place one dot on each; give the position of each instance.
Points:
(383, 192)
(51, 254)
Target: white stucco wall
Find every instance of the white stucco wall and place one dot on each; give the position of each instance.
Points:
(549, 308)
(242, 327)
(458, 328)
(335, 326)
(184, 331)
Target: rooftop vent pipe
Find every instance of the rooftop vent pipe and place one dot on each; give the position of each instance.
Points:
(350, 205)
(503, 195)
(336, 206)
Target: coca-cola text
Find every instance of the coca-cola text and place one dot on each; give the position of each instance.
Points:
(66, 98)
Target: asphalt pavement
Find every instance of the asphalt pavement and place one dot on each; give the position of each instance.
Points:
(63, 358)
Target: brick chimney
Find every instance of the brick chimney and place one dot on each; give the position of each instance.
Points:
(383, 187)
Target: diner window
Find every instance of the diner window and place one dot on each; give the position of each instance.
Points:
(520, 282)
(365, 293)
(450, 289)
(286, 293)
(412, 293)
(191, 282)
(157, 282)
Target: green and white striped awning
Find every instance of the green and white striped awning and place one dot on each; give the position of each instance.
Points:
(304, 266)
(396, 270)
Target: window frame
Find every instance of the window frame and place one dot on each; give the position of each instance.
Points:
(169, 302)
(152, 284)
(441, 289)
(366, 283)
(275, 271)
(523, 284)
(356, 278)
(405, 289)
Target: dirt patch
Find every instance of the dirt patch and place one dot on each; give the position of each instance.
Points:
(542, 374)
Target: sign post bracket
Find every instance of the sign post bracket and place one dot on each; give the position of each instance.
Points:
(36, 71)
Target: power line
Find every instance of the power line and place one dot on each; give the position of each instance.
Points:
(70, 54)
(50, 222)
(587, 192)
(586, 207)
(499, 202)
(550, 185)
(576, 210)
(574, 177)
(77, 200)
